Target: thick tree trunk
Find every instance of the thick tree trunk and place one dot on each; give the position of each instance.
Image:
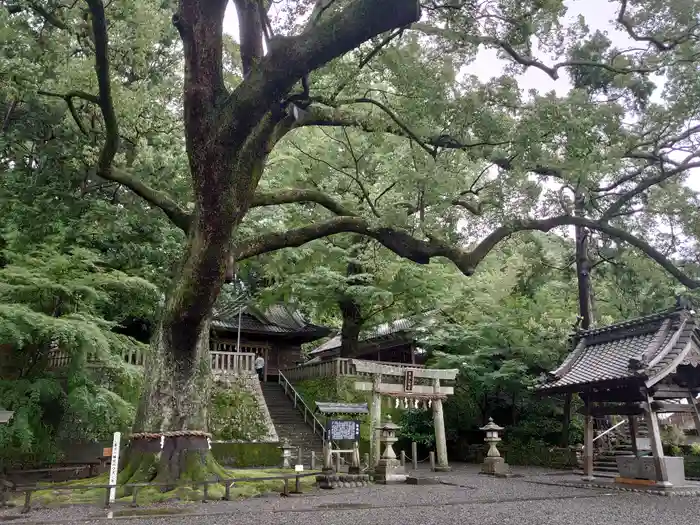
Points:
(228, 139)
(176, 394)
(170, 440)
(352, 325)
(350, 309)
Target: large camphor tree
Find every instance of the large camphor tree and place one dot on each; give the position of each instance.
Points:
(232, 128)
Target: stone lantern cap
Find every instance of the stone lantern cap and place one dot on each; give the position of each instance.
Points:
(491, 426)
(389, 425)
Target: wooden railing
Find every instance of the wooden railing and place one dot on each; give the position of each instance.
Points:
(332, 368)
(233, 362)
(221, 362)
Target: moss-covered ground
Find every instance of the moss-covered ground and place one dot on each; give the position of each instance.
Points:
(53, 495)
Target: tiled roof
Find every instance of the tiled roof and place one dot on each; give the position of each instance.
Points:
(277, 319)
(642, 350)
(394, 327)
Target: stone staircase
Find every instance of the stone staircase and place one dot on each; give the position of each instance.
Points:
(289, 423)
(617, 443)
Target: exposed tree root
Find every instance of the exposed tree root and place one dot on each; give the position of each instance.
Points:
(183, 461)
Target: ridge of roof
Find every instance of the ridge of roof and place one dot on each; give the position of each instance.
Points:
(645, 349)
(404, 324)
(634, 322)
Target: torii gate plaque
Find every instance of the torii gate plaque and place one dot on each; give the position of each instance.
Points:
(406, 386)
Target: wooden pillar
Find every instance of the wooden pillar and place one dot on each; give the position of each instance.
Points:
(588, 444)
(413, 354)
(376, 420)
(633, 434)
(695, 413)
(440, 437)
(657, 448)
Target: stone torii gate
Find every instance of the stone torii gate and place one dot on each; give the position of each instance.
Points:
(406, 383)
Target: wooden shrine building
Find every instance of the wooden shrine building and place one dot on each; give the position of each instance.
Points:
(277, 333)
(641, 367)
(392, 342)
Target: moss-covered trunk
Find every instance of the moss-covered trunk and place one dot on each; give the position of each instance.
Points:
(229, 136)
(169, 443)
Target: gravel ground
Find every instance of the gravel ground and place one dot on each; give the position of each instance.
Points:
(468, 499)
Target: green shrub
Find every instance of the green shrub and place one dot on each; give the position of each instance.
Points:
(538, 454)
(692, 466)
(244, 455)
(695, 449)
(235, 415)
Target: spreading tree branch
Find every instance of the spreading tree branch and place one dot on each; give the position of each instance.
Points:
(524, 60)
(111, 146)
(291, 58)
(290, 196)
(421, 251)
(660, 45)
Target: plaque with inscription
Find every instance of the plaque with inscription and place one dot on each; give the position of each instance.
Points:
(342, 429)
(408, 381)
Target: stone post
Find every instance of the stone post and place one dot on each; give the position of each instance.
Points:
(440, 438)
(375, 421)
(355, 463)
(286, 454)
(327, 459)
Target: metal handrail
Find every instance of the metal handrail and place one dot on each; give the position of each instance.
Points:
(609, 430)
(297, 399)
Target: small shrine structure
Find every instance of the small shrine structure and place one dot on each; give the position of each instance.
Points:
(643, 366)
(408, 384)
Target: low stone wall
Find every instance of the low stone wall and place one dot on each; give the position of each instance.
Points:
(251, 384)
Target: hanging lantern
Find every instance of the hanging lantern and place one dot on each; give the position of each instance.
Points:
(396, 403)
(430, 403)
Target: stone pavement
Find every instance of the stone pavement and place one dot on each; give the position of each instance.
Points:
(464, 498)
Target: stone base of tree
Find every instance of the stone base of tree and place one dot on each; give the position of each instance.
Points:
(336, 481)
(171, 458)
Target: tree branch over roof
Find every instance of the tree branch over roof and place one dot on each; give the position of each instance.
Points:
(421, 251)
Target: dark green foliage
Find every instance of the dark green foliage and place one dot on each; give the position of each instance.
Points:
(243, 455)
(69, 303)
(417, 425)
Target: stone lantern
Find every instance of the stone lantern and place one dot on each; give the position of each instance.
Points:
(286, 449)
(493, 464)
(389, 469)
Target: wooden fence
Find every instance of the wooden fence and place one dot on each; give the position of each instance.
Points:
(221, 362)
(337, 367)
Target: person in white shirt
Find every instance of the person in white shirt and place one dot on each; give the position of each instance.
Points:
(260, 366)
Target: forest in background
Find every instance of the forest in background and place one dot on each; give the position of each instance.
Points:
(88, 256)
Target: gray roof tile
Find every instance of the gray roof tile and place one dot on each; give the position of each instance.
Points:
(277, 319)
(407, 324)
(607, 352)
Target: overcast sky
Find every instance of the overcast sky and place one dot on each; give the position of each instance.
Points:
(599, 15)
